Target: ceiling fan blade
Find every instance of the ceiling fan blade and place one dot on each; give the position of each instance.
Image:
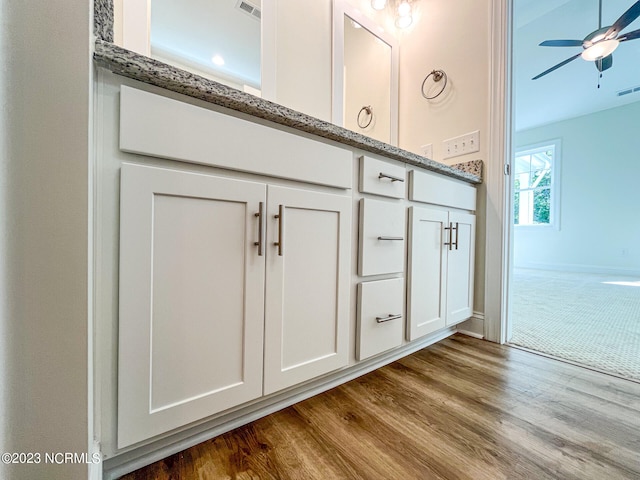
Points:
(561, 43)
(630, 36)
(605, 63)
(625, 19)
(555, 67)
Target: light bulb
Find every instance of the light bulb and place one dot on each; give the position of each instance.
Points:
(600, 50)
(378, 4)
(404, 22)
(404, 9)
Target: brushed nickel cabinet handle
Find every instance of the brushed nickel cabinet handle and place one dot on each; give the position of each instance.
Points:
(456, 227)
(450, 242)
(391, 316)
(390, 238)
(393, 178)
(280, 242)
(260, 228)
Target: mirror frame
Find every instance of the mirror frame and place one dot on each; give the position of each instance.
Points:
(340, 9)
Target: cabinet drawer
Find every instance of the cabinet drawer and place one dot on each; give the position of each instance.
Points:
(382, 178)
(154, 125)
(382, 237)
(380, 316)
(432, 188)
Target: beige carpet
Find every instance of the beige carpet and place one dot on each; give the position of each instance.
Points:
(590, 319)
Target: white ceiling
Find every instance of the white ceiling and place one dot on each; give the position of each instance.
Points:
(191, 32)
(571, 90)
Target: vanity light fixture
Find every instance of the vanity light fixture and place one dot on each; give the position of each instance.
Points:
(403, 21)
(217, 60)
(402, 10)
(404, 17)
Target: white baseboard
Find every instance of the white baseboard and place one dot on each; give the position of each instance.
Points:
(474, 327)
(127, 462)
(576, 268)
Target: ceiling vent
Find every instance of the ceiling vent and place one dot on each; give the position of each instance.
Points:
(629, 90)
(249, 9)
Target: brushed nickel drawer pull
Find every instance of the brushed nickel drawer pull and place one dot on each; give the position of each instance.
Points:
(391, 316)
(393, 178)
(390, 238)
(260, 228)
(280, 242)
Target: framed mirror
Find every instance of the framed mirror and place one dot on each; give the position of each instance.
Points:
(365, 71)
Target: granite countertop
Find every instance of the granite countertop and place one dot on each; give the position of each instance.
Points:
(148, 70)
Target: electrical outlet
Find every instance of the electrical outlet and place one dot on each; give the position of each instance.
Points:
(427, 150)
(467, 143)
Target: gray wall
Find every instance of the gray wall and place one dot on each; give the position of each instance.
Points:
(44, 148)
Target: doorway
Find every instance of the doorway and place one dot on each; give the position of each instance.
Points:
(574, 270)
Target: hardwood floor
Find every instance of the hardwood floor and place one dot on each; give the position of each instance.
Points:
(460, 409)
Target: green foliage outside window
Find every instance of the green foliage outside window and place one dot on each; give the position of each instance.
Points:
(532, 187)
(542, 200)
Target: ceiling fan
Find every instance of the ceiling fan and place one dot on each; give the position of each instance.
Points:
(599, 45)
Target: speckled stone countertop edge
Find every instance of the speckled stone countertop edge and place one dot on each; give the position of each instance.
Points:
(473, 167)
(148, 70)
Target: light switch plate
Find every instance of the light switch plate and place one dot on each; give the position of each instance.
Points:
(467, 143)
(427, 150)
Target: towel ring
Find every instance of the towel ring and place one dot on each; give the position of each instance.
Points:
(368, 111)
(437, 76)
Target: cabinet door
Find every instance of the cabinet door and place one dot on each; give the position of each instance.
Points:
(461, 267)
(191, 299)
(426, 280)
(308, 274)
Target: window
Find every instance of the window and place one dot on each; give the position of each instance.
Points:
(535, 199)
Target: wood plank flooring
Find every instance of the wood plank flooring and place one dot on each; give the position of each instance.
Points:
(460, 409)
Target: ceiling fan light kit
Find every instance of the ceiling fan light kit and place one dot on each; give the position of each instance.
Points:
(599, 45)
(600, 50)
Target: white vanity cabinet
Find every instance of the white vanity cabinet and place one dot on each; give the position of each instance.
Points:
(227, 270)
(308, 275)
(191, 298)
(381, 251)
(195, 251)
(441, 255)
(230, 289)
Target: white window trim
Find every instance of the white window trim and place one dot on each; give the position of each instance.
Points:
(554, 222)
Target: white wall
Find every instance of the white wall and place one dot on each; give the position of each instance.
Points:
(302, 50)
(454, 37)
(599, 201)
(44, 139)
